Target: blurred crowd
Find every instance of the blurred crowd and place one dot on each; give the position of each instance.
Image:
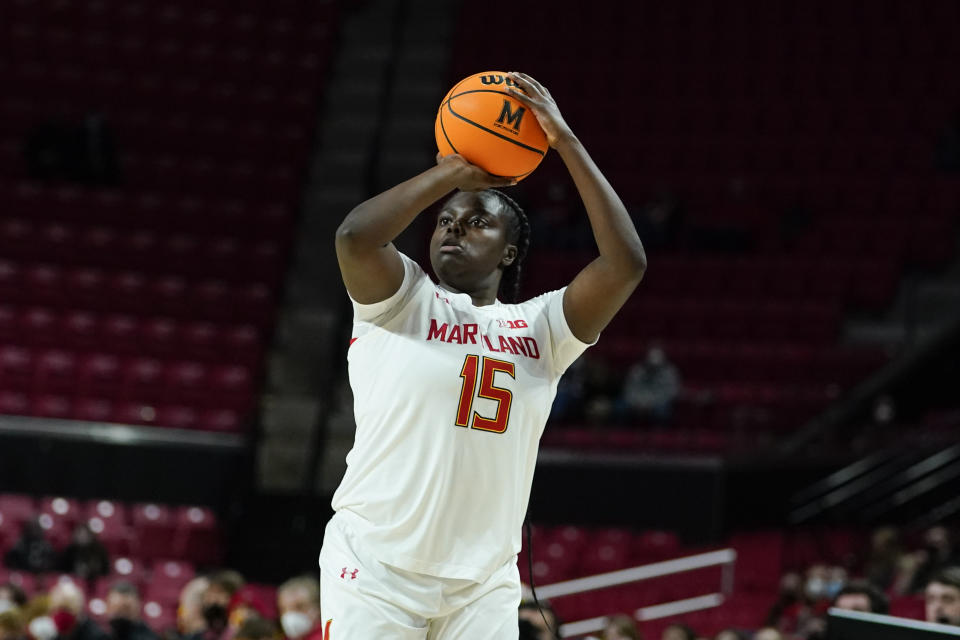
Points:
(217, 606)
(590, 390)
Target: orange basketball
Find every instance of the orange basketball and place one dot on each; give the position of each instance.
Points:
(479, 120)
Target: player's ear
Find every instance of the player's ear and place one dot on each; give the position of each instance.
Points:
(509, 255)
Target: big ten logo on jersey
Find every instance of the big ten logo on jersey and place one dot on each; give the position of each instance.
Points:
(512, 324)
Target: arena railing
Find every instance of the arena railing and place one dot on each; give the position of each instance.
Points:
(725, 558)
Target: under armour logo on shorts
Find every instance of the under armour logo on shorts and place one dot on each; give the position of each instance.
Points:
(353, 574)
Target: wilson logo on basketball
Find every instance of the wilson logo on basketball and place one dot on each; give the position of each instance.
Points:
(509, 117)
(498, 79)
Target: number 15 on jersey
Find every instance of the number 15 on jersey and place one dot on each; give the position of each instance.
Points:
(488, 368)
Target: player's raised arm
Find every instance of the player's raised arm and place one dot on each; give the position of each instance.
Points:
(603, 286)
(369, 263)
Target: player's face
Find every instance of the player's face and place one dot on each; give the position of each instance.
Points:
(943, 603)
(470, 241)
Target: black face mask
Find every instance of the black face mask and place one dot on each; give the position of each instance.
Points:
(121, 627)
(216, 616)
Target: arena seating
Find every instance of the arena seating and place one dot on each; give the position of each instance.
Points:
(816, 152)
(567, 552)
(157, 547)
(151, 302)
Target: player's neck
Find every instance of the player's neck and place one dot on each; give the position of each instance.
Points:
(482, 294)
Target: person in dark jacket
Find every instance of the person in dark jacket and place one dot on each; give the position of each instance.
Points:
(85, 556)
(32, 552)
(123, 612)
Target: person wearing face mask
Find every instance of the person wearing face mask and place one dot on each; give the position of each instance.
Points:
(67, 613)
(216, 603)
(123, 612)
(298, 601)
(651, 387)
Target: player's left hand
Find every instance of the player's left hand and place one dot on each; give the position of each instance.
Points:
(536, 97)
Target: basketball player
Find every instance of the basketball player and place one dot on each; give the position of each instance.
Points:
(452, 389)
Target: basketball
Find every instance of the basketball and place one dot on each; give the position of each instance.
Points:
(479, 120)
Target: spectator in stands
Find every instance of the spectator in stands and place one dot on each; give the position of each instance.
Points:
(31, 552)
(12, 625)
(216, 602)
(11, 597)
(885, 553)
(600, 389)
(68, 614)
(257, 628)
(938, 552)
(190, 619)
(651, 387)
(85, 556)
(245, 604)
(860, 595)
(571, 390)
(942, 597)
(535, 625)
(768, 633)
(621, 627)
(678, 632)
(729, 634)
(298, 601)
(123, 612)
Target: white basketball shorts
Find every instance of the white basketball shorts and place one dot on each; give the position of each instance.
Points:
(362, 598)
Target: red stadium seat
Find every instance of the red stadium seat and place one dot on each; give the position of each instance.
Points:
(153, 526)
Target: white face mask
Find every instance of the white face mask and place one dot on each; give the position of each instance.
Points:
(43, 628)
(295, 624)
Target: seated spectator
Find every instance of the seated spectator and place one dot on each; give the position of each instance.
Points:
(535, 625)
(884, 557)
(861, 596)
(11, 597)
(568, 403)
(942, 597)
(190, 620)
(68, 614)
(298, 601)
(216, 602)
(245, 604)
(768, 633)
(651, 387)
(123, 612)
(678, 632)
(938, 552)
(730, 634)
(257, 628)
(31, 552)
(621, 627)
(85, 556)
(12, 625)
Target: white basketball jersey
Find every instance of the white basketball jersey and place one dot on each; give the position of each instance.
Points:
(450, 402)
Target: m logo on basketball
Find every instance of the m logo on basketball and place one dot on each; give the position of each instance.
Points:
(510, 117)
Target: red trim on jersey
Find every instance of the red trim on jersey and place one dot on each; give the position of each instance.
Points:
(352, 340)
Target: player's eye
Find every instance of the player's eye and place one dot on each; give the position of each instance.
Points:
(443, 221)
(478, 222)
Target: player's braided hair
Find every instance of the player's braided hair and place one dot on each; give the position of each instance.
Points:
(519, 234)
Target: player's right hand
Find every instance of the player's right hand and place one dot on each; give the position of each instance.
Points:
(470, 177)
